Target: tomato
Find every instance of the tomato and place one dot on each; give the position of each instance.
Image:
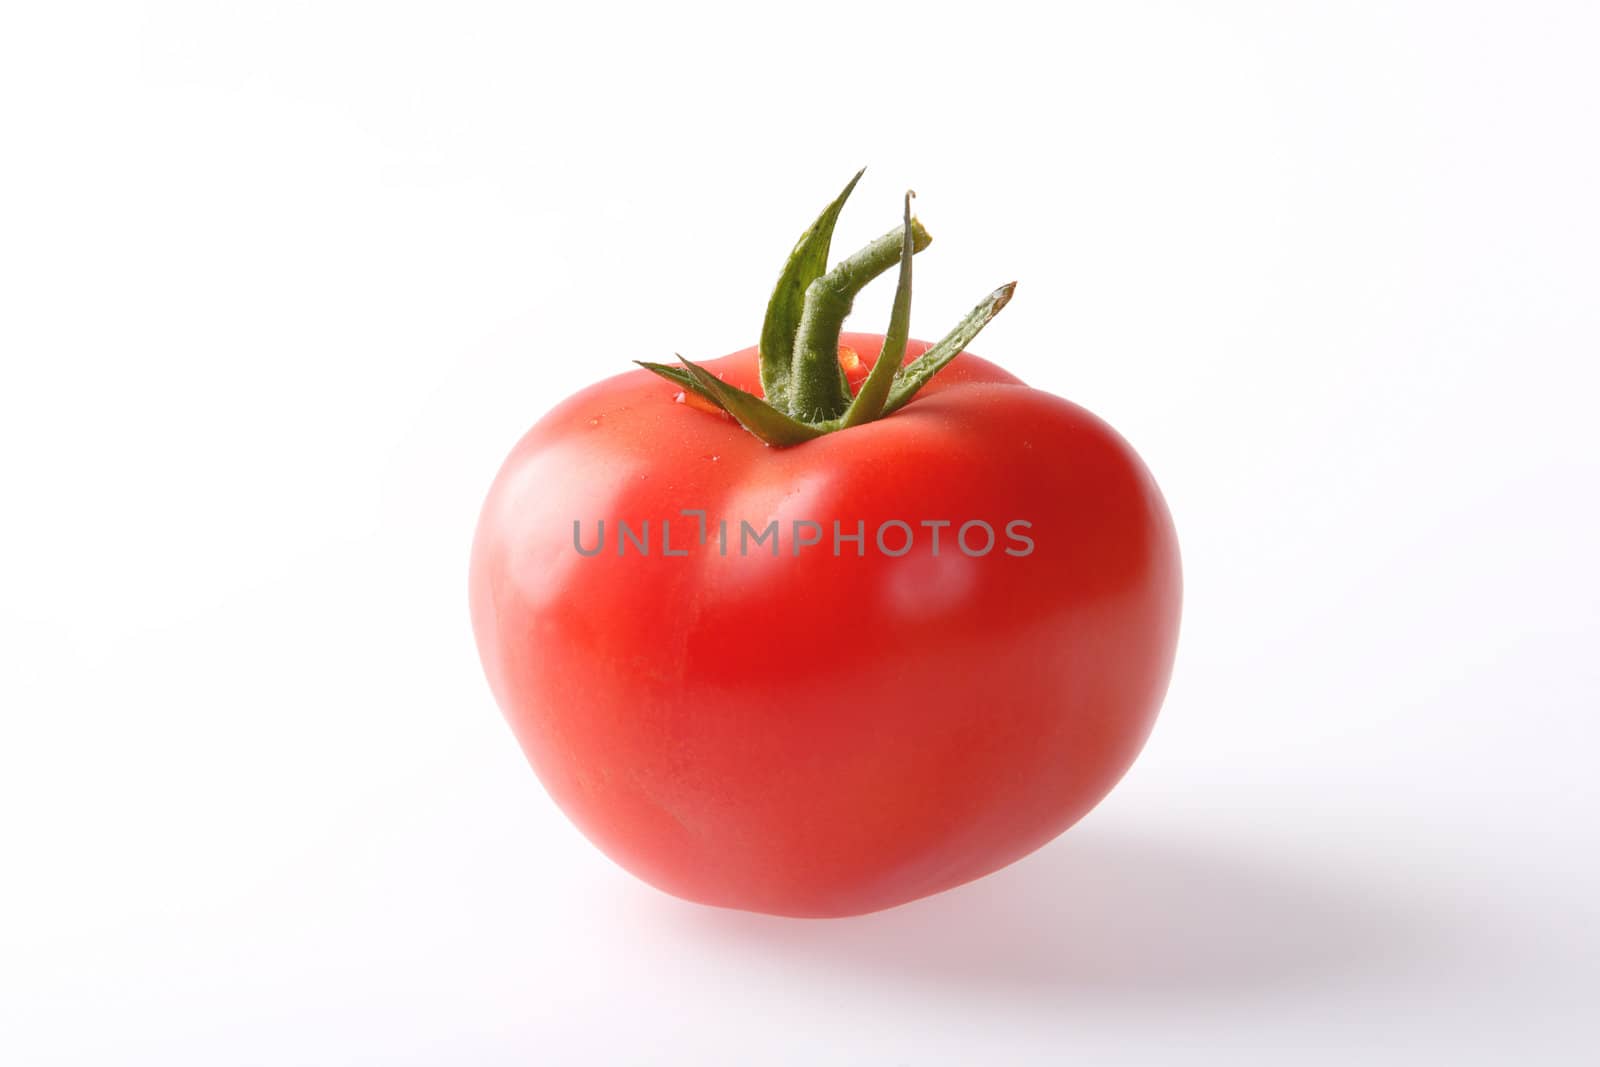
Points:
(813, 724)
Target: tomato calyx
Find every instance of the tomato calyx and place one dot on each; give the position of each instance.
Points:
(807, 391)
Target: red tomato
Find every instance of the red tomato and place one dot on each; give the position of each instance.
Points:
(817, 735)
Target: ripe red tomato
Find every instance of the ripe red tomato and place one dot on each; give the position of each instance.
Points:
(789, 730)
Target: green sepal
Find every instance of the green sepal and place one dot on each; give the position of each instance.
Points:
(754, 414)
(870, 398)
(917, 373)
(683, 379)
(806, 264)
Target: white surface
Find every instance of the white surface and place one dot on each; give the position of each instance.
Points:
(279, 285)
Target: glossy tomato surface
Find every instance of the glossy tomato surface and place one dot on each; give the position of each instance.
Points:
(813, 734)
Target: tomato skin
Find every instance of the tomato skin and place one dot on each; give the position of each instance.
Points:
(815, 735)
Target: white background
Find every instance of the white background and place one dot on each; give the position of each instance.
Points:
(280, 283)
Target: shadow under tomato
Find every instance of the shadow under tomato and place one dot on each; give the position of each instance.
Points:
(1112, 916)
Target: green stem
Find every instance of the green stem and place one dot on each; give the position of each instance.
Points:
(806, 391)
(817, 387)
